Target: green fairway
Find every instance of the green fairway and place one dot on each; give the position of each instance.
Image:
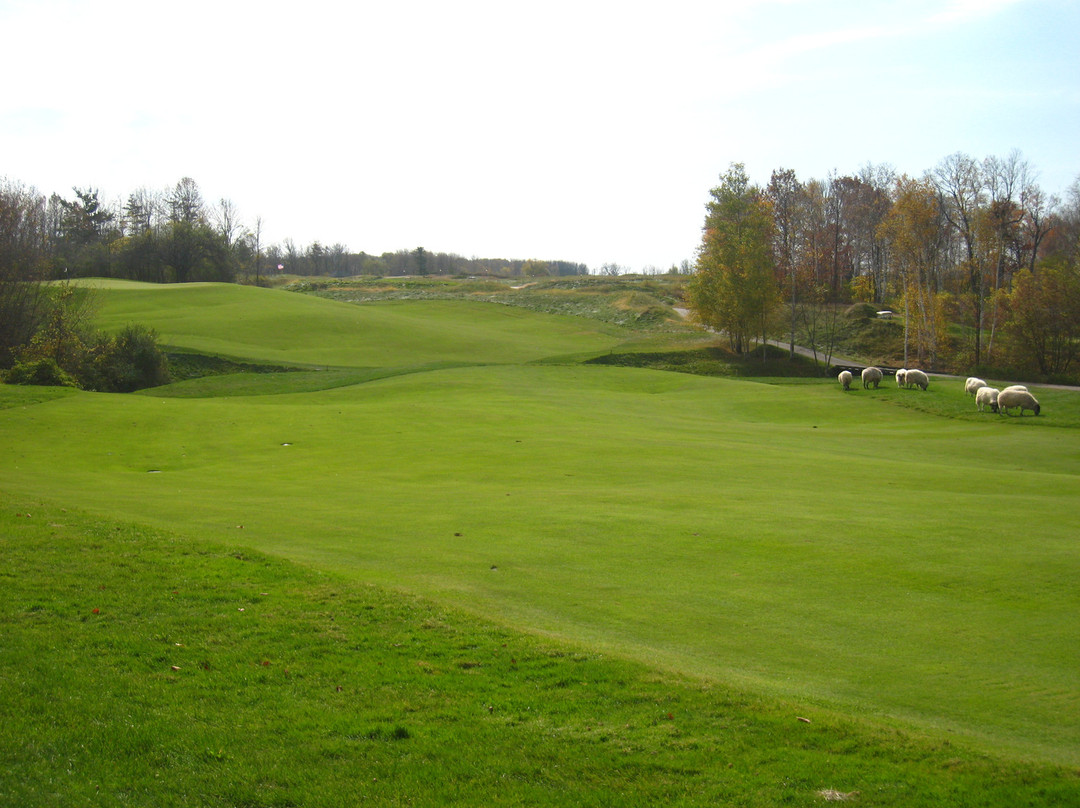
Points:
(897, 565)
(267, 325)
(141, 667)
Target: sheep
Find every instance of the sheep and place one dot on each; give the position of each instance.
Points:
(1017, 398)
(871, 376)
(972, 384)
(900, 377)
(916, 378)
(845, 379)
(1019, 387)
(987, 396)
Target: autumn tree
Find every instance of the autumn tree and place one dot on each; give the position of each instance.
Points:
(1043, 325)
(734, 288)
(914, 231)
(869, 206)
(787, 197)
(960, 185)
(534, 268)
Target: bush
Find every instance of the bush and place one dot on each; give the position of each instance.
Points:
(41, 372)
(861, 311)
(129, 361)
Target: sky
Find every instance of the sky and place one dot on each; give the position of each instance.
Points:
(578, 131)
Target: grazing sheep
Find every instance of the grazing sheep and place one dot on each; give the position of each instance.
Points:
(900, 377)
(916, 378)
(1008, 399)
(972, 384)
(987, 396)
(1019, 387)
(845, 379)
(871, 376)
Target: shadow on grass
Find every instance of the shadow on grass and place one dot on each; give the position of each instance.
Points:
(716, 360)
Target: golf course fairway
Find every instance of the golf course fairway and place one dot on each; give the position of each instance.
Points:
(829, 548)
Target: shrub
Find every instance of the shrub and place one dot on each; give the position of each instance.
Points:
(129, 361)
(861, 311)
(43, 372)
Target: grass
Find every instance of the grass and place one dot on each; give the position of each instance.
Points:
(278, 327)
(887, 561)
(641, 303)
(143, 668)
(714, 359)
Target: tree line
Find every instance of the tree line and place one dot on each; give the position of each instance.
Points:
(982, 263)
(167, 236)
(337, 262)
(175, 235)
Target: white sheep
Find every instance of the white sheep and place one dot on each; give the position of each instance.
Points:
(845, 379)
(1019, 387)
(916, 378)
(972, 384)
(987, 397)
(871, 376)
(900, 377)
(1008, 399)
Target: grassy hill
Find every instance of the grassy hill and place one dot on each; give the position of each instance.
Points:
(275, 326)
(888, 563)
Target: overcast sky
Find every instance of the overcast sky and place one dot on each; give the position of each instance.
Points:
(581, 131)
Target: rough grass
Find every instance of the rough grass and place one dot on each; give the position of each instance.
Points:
(638, 303)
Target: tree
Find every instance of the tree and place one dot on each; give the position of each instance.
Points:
(420, 256)
(24, 236)
(142, 212)
(1043, 322)
(86, 232)
(65, 332)
(734, 288)
(785, 194)
(227, 218)
(534, 268)
(914, 231)
(186, 203)
(959, 183)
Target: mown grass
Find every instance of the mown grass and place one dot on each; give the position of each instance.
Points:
(945, 398)
(277, 327)
(714, 359)
(890, 556)
(140, 667)
(772, 527)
